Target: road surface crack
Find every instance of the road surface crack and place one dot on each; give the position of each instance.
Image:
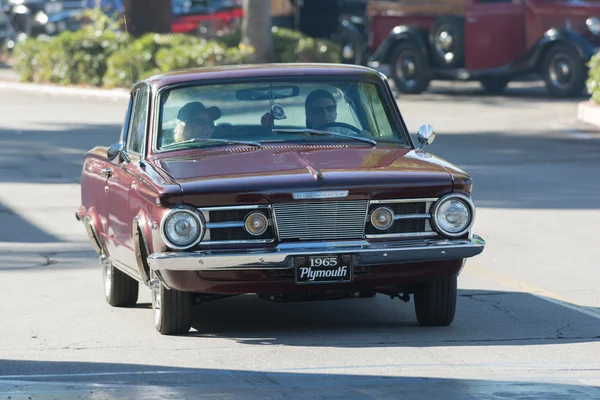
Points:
(493, 303)
(48, 259)
(559, 333)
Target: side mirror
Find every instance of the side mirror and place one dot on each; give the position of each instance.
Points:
(425, 135)
(116, 154)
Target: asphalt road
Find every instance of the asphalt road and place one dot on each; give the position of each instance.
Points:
(528, 317)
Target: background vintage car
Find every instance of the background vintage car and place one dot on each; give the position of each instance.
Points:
(203, 220)
(492, 42)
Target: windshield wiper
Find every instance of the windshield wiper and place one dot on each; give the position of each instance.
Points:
(319, 132)
(198, 140)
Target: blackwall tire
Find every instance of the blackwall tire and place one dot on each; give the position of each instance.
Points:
(409, 68)
(172, 310)
(564, 73)
(120, 290)
(435, 302)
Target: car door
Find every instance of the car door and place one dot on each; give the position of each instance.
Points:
(123, 177)
(494, 33)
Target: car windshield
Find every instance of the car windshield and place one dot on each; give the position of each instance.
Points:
(350, 112)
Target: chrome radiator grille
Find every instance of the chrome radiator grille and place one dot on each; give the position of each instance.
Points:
(321, 220)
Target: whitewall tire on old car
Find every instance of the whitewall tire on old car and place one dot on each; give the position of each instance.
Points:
(120, 290)
(435, 302)
(172, 309)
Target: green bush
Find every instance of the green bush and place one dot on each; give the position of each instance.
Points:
(100, 55)
(593, 81)
(70, 58)
(291, 46)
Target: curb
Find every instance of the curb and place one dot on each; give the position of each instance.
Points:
(588, 111)
(113, 94)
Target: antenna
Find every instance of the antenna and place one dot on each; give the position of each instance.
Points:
(128, 49)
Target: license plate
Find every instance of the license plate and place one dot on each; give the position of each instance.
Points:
(323, 269)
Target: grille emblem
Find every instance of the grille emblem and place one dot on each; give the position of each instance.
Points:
(333, 194)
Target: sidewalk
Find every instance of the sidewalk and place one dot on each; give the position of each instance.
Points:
(9, 79)
(7, 74)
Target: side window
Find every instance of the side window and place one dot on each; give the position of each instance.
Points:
(138, 124)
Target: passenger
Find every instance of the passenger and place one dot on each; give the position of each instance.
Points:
(194, 120)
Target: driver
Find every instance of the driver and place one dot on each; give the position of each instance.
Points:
(320, 107)
(194, 120)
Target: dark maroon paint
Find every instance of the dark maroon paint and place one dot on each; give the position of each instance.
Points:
(221, 176)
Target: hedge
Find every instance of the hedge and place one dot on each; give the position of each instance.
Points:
(105, 58)
(593, 80)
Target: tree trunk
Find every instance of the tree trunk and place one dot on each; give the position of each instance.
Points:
(256, 29)
(144, 16)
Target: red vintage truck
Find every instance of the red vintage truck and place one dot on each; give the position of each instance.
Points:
(490, 41)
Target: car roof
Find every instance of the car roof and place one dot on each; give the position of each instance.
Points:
(261, 71)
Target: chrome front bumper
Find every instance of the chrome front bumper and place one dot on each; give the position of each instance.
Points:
(281, 257)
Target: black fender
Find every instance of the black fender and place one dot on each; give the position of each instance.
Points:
(398, 34)
(351, 28)
(584, 48)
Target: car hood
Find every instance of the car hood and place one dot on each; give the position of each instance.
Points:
(274, 172)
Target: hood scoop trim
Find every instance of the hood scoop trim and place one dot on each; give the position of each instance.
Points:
(287, 147)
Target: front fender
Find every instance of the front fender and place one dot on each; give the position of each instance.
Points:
(142, 232)
(584, 48)
(398, 34)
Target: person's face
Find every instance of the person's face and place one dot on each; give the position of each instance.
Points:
(199, 126)
(322, 111)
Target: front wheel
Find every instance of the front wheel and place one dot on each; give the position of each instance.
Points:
(172, 310)
(563, 72)
(435, 302)
(120, 290)
(409, 68)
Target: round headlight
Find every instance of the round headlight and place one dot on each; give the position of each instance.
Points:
(182, 228)
(382, 218)
(256, 223)
(593, 25)
(453, 215)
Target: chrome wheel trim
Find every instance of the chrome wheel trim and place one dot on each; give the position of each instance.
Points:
(560, 71)
(107, 274)
(406, 69)
(156, 306)
(444, 44)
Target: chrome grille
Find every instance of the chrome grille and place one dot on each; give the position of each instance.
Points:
(321, 220)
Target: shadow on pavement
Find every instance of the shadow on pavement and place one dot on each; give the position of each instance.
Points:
(483, 318)
(50, 156)
(70, 380)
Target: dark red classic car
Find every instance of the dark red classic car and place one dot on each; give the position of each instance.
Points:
(490, 41)
(292, 182)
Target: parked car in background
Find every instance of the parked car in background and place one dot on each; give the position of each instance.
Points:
(7, 33)
(295, 182)
(31, 18)
(206, 18)
(492, 42)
